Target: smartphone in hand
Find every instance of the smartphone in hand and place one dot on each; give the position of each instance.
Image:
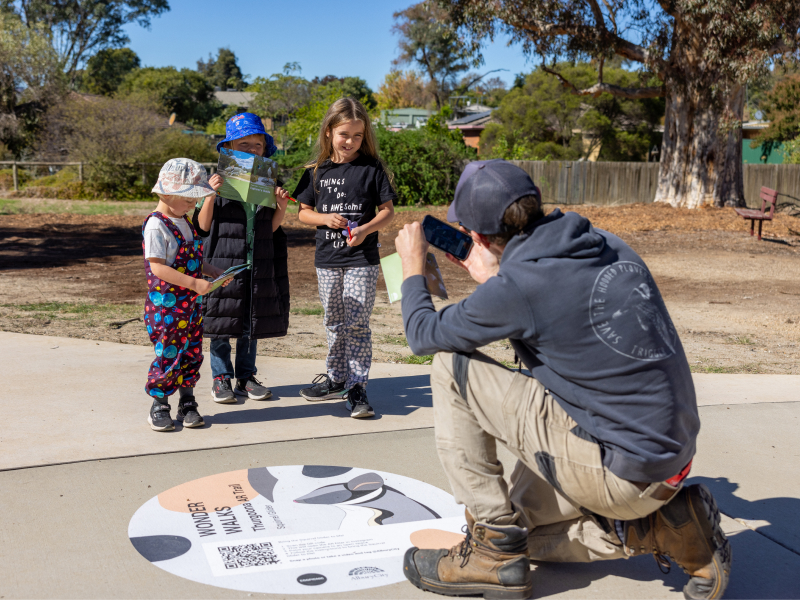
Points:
(446, 238)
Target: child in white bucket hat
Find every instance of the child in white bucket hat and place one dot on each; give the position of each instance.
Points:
(174, 265)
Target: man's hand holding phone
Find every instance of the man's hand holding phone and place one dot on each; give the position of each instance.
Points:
(481, 264)
(412, 247)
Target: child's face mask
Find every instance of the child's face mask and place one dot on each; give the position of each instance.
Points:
(252, 144)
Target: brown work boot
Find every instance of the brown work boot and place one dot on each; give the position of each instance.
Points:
(687, 531)
(492, 561)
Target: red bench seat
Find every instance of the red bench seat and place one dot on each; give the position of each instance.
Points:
(767, 212)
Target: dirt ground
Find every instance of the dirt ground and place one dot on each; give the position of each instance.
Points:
(734, 300)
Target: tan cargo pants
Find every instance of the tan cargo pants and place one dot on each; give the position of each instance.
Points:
(560, 489)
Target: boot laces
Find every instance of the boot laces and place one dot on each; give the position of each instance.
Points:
(661, 558)
(463, 549)
(662, 561)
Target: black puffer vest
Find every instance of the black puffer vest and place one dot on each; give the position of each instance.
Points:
(267, 282)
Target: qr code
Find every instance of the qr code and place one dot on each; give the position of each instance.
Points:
(248, 555)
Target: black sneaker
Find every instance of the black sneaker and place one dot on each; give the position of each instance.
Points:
(359, 407)
(324, 388)
(221, 392)
(159, 417)
(252, 388)
(187, 413)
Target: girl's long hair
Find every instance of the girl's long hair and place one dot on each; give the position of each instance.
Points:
(343, 111)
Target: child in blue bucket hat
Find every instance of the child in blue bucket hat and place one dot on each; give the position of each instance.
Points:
(255, 305)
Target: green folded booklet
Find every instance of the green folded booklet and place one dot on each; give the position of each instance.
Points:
(392, 268)
(228, 274)
(247, 177)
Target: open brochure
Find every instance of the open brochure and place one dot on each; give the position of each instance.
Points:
(247, 177)
(392, 268)
(228, 274)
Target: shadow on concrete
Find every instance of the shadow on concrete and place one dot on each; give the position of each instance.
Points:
(761, 569)
(397, 396)
(781, 514)
(766, 562)
(557, 578)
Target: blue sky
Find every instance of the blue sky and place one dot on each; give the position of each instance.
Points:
(348, 37)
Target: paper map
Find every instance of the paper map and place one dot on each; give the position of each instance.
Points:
(247, 177)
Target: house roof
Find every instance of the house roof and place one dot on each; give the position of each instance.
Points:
(235, 98)
(472, 120)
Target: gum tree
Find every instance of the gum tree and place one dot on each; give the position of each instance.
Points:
(427, 40)
(79, 28)
(698, 54)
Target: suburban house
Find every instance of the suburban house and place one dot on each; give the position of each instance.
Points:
(236, 98)
(768, 153)
(404, 118)
(472, 126)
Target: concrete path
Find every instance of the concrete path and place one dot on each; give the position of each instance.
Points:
(90, 403)
(77, 459)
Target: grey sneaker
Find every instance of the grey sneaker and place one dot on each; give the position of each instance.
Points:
(221, 391)
(324, 388)
(252, 388)
(187, 413)
(159, 417)
(359, 407)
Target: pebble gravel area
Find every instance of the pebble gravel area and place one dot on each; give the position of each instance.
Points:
(734, 300)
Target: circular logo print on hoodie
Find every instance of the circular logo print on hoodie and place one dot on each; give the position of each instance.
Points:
(628, 314)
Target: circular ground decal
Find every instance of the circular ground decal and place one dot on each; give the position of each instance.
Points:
(294, 529)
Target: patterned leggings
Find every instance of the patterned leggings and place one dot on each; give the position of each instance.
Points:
(347, 296)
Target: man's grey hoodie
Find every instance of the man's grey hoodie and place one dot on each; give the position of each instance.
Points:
(583, 313)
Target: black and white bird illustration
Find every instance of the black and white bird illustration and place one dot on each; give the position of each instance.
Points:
(647, 313)
(367, 500)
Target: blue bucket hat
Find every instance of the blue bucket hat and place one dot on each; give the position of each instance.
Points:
(244, 124)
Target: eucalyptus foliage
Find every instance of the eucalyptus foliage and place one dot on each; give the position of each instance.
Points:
(78, 28)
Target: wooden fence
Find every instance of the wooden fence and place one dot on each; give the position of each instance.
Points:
(610, 183)
(565, 182)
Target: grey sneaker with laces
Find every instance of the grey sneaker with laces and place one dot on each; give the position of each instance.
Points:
(221, 391)
(252, 388)
(359, 406)
(324, 388)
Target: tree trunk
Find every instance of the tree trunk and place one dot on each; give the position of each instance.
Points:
(701, 161)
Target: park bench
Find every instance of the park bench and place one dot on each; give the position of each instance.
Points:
(768, 199)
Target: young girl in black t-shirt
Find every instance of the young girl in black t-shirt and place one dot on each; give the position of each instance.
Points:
(345, 191)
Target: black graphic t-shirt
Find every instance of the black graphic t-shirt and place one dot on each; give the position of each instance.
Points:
(353, 190)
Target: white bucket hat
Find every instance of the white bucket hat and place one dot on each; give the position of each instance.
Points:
(183, 177)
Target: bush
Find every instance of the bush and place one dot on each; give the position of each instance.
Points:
(791, 152)
(7, 178)
(292, 166)
(113, 138)
(426, 164)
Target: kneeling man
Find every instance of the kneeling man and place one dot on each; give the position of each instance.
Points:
(605, 425)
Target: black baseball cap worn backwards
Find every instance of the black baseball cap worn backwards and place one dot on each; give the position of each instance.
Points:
(485, 190)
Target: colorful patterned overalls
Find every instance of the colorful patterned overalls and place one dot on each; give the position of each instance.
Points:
(174, 319)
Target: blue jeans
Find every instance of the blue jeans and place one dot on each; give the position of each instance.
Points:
(245, 354)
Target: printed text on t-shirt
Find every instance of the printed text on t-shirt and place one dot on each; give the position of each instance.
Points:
(330, 183)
